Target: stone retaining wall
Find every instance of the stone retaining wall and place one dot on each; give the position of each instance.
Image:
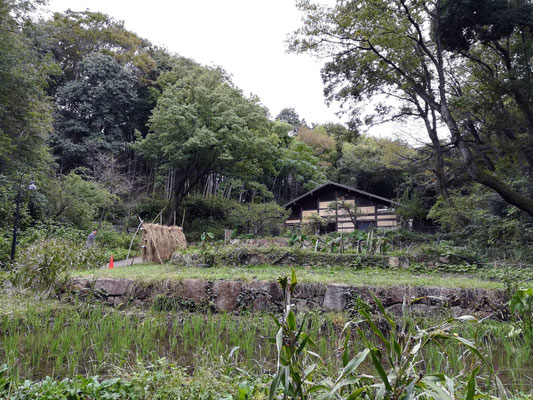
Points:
(240, 256)
(234, 295)
(266, 242)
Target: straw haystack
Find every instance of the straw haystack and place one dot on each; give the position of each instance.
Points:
(160, 242)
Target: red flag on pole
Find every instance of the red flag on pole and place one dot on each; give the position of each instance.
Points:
(111, 262)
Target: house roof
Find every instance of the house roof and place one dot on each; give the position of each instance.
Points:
(343, 187)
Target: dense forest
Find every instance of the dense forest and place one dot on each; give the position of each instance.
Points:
(110, 127)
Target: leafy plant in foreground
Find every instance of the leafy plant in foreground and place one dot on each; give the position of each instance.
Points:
(397, 360)
(205, 248)
(45, 262)
(294, 369)
(521, 304)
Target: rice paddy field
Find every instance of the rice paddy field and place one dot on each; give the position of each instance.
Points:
(87, 347)
(91, 339)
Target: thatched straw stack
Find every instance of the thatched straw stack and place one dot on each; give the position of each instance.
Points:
(160, 242)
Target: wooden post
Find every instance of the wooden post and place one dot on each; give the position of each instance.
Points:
(133, 238)
(318, 210)
(336, 212)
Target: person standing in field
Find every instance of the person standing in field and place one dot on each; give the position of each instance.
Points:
(91, 238)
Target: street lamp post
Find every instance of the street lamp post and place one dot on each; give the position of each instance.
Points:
(32, 187)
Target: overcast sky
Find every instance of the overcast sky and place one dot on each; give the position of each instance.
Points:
(245, 37)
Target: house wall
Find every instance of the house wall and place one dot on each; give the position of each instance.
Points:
(373, 213)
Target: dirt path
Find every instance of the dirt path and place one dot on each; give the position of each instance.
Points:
(125, 263)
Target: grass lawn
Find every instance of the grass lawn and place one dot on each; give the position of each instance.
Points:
(369, 277)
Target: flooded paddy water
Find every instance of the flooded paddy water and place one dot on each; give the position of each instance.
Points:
(96, 340)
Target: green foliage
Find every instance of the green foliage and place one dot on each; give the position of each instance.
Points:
(370, 45)
(212, 213)
(205, 248)
(521, 305)
(486, 224)
(375, 165)
(158, 380)
(312, 223)
(201, 125)
(323, 145)
(343, 207)
(467, 22)
(45, 262)
(77, 201)
(216, 213)
(73, 35)
(299, 171)
(25, 111)
(411, 206)
(259, 218)
(111, 239)
(295, 364)
(290, 116)
(297, 239)
(395, 360)
(94, 112)
(446, 249)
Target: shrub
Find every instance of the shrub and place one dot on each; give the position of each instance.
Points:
(211, 214)
(521, 305)
(43, 263)
(216, 213)
(77, 201)
(312, 223)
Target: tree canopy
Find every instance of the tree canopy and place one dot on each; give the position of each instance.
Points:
(395, 48)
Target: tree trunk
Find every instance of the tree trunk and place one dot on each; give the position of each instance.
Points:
(479, 175)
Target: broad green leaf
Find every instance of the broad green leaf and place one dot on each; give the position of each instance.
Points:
(294, 281)
(291, 321)
(380, 370)
(471, 386)
(355, 362)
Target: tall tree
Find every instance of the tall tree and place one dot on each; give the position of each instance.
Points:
(73, 35)
(94, 112)
(395, 48)
(203, 125)
(290, 116)
(25, 112)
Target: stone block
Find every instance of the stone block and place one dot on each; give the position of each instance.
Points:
(226, 293)
(80, 283)
(394, 262)
(308, 290)
(335, 298)
(391, 295)
(114, 287)
(194, 289)
(118, 300)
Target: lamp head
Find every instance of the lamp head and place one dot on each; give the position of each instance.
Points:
(32, 186)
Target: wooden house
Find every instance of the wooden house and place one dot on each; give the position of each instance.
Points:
(371, 210)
